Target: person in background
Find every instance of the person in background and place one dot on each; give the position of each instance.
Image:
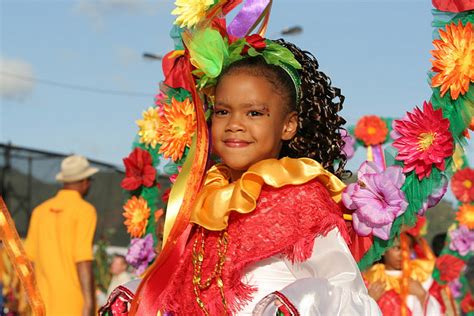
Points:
(59, 242)
(118, 269)
(438, 242)
(385, 284)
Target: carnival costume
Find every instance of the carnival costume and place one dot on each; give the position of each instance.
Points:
(276, 235)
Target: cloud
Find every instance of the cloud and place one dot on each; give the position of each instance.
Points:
(16, 78)
(98, 9)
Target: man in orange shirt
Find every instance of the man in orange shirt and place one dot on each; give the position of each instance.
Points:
(59, 243)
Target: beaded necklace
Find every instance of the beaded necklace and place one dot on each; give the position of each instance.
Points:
(198, 259)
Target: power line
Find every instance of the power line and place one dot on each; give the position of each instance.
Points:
(76, 87)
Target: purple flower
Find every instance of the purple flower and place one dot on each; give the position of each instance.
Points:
(349, 142)
(376, 199)
(455, 287)
(462, 240)
(141, 253)
(434, 197)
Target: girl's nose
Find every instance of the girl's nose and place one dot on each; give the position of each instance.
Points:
(235, 124)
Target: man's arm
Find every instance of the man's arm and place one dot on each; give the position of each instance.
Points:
(86, 278)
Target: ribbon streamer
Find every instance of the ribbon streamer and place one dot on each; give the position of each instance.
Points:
(378, 156)
(248, 17)
(190, 181)
(16, 253)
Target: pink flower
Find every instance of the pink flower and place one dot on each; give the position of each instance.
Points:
(349, 142)
(376, 199)
(462, 240)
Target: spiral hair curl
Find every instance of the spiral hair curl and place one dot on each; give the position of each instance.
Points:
(319, 124)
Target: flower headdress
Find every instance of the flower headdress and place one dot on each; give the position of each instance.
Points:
(210, 62)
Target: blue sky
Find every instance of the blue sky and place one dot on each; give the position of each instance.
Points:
(377, 52)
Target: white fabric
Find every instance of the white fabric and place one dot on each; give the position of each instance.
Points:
(328, 283)
(117, 280)
(433, 308)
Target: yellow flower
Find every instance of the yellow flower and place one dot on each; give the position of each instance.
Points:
(191, 12)
(177, 127)
(149, 126)
(465, 215)
(136, 216)
(453, 61)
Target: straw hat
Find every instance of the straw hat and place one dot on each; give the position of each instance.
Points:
(75, 168)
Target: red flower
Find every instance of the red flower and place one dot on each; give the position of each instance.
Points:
(176, 69)
(138, 170)
(166, 195)
(453, 5)
(449, 267)
(462, 185)
(467, 304)
(424, 140)
(255, 41)
(371, 129)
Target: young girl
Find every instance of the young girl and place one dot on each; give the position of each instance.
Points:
(268, 234)
(385, 283)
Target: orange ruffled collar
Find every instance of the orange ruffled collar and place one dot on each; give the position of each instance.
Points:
(218, 197)
(420, 270)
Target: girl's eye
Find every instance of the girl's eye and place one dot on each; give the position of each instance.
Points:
(220, 112)
(255, 113)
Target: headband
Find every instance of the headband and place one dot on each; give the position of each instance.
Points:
(210, 53)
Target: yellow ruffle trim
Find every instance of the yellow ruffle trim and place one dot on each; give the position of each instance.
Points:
(219, 197)
(420, 270)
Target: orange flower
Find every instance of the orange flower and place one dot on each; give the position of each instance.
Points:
(371, 129)
(158, 214)
(136, 216)
(465, 215)
(177, 126)
(149, 126)
(453, 59)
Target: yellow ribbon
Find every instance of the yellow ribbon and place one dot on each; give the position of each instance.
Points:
(219, 197)
(370, 154)
(177, 192)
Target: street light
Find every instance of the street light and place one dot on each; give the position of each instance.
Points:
(152, 56)
(293, 30)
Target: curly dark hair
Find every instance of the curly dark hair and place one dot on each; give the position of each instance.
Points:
(319, 124)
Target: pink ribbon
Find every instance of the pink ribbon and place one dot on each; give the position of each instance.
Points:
(247, 17)
(378, 155)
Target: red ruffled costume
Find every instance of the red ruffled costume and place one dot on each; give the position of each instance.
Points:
(285, 222)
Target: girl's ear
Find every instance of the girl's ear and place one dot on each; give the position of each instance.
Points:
(290, 126)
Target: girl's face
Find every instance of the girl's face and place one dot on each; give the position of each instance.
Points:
(393, 258)
(250, 121)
